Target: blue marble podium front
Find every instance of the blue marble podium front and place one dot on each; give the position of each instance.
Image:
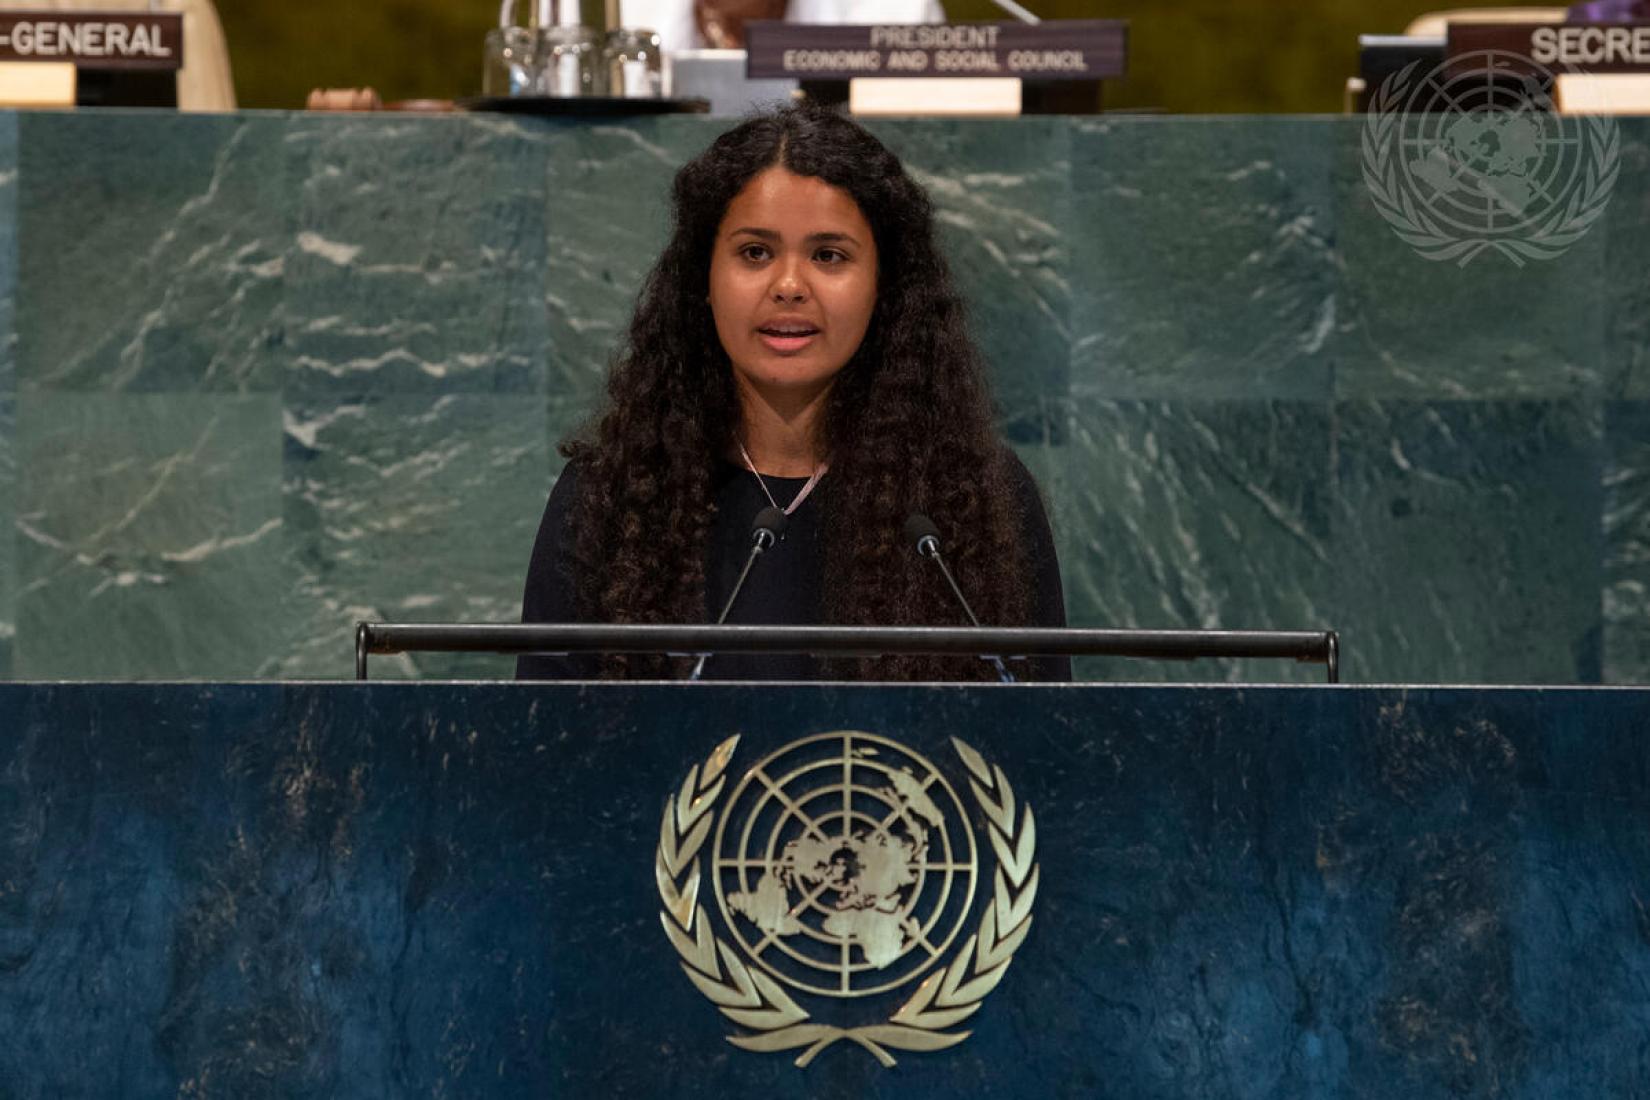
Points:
(347, 890)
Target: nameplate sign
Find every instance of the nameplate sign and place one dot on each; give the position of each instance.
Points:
(1061, 49)
(1556, 47)
(94, 40)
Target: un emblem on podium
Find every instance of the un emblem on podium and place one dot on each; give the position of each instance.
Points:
(845, 869)
(1472, 157)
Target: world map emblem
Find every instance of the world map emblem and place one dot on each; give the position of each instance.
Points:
(1471, 158)
(846, 870)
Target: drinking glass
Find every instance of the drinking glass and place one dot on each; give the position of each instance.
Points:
(634, 66)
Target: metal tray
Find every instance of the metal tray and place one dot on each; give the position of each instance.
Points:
(599, 105)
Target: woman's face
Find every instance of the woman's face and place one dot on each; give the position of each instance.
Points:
(793, 280)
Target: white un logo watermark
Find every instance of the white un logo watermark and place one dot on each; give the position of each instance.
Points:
(1471, 158)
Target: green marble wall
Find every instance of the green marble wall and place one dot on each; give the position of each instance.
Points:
(264, 375)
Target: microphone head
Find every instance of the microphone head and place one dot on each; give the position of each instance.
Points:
(922, 533)
(769, 526)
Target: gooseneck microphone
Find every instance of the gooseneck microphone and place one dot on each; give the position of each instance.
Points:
(767, 529)
(920, 530)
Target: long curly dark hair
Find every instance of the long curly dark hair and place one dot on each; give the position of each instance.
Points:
(908, 423)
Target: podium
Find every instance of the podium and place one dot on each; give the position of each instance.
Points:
(349, 889)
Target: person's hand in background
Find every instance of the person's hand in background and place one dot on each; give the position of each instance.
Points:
(344, 99)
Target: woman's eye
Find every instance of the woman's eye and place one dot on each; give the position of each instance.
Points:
(756, 253)
(830, 255)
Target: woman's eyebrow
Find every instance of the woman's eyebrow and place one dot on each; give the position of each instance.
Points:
(774, 235)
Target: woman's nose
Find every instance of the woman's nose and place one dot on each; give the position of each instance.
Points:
(789, 285)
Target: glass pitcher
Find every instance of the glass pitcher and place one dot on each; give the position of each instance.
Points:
(510, 57)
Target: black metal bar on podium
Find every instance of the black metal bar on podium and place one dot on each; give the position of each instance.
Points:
(1307, 646)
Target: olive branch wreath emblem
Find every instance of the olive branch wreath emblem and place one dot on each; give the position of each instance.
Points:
(1431, 239)
(752, 999)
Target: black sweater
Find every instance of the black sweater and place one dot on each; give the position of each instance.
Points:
(787, 586)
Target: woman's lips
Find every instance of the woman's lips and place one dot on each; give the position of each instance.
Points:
(787, 341)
